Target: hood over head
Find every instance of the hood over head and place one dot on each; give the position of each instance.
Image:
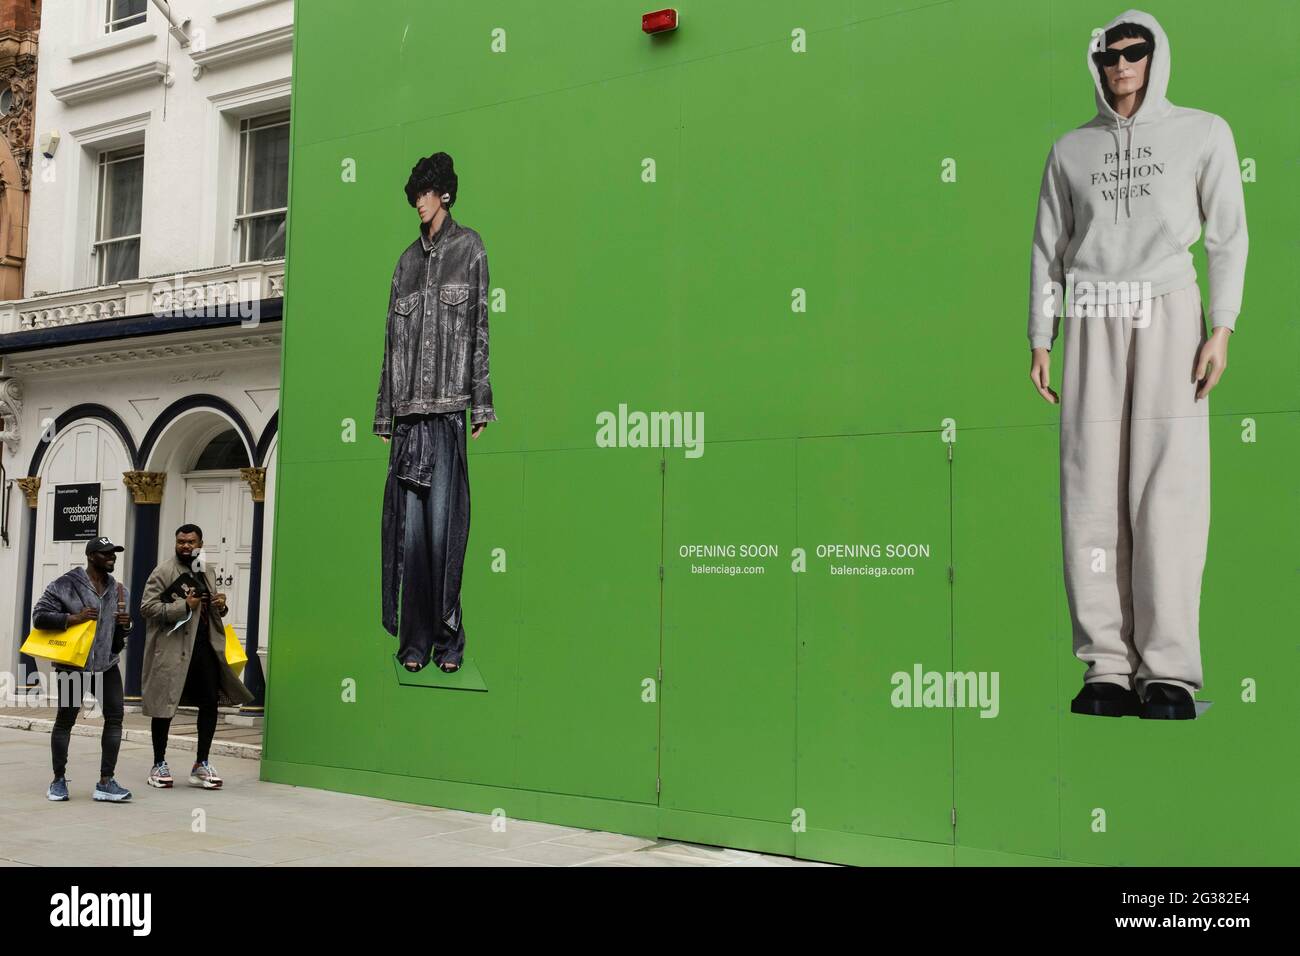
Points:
(1155, 104)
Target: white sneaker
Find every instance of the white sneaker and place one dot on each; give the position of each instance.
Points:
(161, 776)
(205, 775)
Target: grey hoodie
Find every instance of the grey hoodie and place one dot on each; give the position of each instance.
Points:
(1123, 199)
(69, 593)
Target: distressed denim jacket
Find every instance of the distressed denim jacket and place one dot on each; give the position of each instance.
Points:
(436, 346)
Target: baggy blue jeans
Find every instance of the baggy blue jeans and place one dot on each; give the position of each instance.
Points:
(424, 534)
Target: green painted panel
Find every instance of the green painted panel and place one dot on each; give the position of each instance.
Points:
(761, 836)
(867, 766)
(601, 280)
(745, 113)
(967, 856)
(857, 849)
(331, 104)
(1196, 793)
(945, 217)
(1005, 613)
(448, 733)
(328, 652)
(590, 631)
(774, 170)
(728, 695)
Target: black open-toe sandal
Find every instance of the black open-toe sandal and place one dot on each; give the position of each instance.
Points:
(449, 669)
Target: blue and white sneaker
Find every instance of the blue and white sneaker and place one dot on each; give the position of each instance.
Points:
(113, 792)
(58, 790)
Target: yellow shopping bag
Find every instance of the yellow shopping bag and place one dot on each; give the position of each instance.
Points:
(235, 655)
(70, 647)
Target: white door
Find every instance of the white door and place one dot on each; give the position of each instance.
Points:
(87, 452)
(222, 505)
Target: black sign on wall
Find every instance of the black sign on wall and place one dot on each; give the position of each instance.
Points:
(76, 512)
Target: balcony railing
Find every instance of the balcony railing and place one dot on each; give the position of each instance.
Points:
(167, 294)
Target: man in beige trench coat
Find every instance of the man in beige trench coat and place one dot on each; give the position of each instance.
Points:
(185, 663)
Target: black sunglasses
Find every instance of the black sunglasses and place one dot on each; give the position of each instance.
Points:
(1132, 53)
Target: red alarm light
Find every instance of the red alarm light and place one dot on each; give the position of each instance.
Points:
(660, 21)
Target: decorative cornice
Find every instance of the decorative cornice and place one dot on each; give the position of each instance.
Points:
(122, 126)
(146, 486)
(31, 488)
(11, 409)
(106, 356)
(111, 84)
(265, 43)
(256, 478)
(257, 94)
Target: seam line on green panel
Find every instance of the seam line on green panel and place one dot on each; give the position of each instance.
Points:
(659, 706)
(797, 632)
(521, 623)
(950, 459)
(380, 456)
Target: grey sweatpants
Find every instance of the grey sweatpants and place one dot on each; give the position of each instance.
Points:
(1135, 490)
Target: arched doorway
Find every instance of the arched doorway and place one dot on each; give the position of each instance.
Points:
(85, 452)
(202, 449)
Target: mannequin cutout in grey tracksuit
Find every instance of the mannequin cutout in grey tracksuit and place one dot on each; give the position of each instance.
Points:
(1121, 201)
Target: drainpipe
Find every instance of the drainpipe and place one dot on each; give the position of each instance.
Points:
(181, 30)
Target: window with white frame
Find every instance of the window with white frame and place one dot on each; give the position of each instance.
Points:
(263, 186)
(117, 220)
(120, 14)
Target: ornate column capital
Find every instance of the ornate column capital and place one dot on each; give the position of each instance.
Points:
(256, 478)
(146, 486)
(31, 487)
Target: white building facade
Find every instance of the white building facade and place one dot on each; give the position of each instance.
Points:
(139, 375)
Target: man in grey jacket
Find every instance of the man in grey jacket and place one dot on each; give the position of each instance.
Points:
(80, 595)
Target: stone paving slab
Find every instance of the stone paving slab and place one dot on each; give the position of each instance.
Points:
(253, 823)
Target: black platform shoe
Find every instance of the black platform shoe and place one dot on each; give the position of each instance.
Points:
(1167, 702)
(1104, 699)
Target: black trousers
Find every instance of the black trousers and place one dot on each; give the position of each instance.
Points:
(425, 531)
(202, 684)
(107, 689)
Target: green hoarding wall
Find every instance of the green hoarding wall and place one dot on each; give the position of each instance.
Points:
(649, 207)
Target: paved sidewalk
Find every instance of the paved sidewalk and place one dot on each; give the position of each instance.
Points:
(251, 823)
(232, 740)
